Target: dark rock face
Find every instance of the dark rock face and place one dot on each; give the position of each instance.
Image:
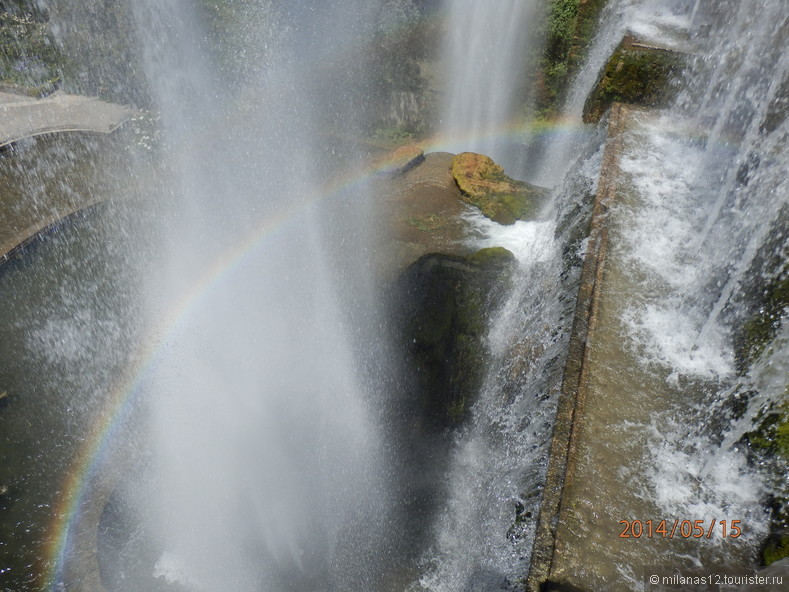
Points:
(444, 304)
(635, 74)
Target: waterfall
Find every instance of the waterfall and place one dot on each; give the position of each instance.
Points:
(725, 223)
(484, 529)
(484, 56)
(199, 386)
(265, 465)
(714, 217)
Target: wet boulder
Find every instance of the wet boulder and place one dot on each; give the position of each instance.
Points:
(444, 304)
(484, 184)
(636, 74)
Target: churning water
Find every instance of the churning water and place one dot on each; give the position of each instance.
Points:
(714, 171)
(711, 174)
(266, 470)
(262, 460)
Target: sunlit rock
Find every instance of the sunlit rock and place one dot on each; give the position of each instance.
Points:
(483, 184)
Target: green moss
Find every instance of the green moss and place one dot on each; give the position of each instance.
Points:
(491, 255)
(776, 550)
(771, 437)
(635, 76)
(519, 205)
(782, 437)
(428, 223)
(569, 28)
(760, 329)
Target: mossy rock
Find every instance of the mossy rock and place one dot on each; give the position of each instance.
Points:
(637, 75)
(775, 550)
(444, 303)
(761, 327)
(771, 437)
(769, 445)
(492, 256)
(483, 184)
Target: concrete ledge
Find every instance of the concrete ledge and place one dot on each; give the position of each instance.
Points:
(571, 399)
(23, 117)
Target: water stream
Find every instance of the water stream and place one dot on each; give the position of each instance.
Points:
(484, 51)
(248, 331)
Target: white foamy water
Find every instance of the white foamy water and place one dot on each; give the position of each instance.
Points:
(484, 530)
(531, 241)
(173, 571)
(690, 242)
(654, 21)
(659, 248)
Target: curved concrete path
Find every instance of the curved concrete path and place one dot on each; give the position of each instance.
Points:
(25, 117)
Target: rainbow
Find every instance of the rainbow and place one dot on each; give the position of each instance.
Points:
(119, 404)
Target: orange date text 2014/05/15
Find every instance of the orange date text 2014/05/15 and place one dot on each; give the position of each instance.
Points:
(677, 528)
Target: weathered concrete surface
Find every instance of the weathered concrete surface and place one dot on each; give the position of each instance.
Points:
(571, 400)
(597, 461)
(24, 117)
(22, 217)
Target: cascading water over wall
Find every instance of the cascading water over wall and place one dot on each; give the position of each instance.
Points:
(724, 246)
(258, 450)
(697, 294)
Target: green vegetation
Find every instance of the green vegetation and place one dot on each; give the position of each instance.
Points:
(28, 56)
(776, 550)
(634, 75)
(769, 441)
(393, 136)
(569, 27)
(771, 438)
(760, 329)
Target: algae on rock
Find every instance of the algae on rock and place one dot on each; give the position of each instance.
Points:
(637, 75)
(768, 442)
(483, 184)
